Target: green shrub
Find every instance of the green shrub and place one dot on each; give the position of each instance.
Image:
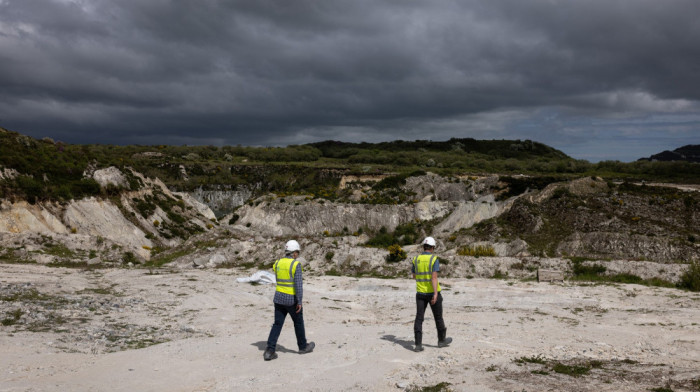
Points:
(329, 256)
(404, 234)
(13, 317)
(396, 253)
(581, 270)
(382, 239)
(561, 192)
(476, 251)
(440, 387)
(572, 370)
(129, 258)
(690, 280)
(534, 359)
(661, 389)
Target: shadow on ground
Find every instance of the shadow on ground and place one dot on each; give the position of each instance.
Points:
(280, 348)
(407, 344)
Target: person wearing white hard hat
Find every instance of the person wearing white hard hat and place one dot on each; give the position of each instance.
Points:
(425, 268)
(288, 296)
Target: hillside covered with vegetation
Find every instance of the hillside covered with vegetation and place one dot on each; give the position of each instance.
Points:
(50, 170)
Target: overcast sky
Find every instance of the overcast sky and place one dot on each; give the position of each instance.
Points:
(608, 79)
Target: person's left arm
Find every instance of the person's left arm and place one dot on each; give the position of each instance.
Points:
(298, 287)
(434, 281)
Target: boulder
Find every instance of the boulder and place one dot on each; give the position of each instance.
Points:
(111, 176)
(217, 259)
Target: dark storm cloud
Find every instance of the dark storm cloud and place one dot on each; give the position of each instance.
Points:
(278, 72)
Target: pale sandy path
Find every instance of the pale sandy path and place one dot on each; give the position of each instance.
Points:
(363, 332)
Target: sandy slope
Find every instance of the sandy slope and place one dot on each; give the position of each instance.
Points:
(216, 331)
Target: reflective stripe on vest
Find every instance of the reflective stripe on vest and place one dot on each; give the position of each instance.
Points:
(284, 273)
(423, 267)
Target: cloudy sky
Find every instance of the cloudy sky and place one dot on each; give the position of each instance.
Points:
(597, 79)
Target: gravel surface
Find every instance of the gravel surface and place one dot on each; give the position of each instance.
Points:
(200, 330)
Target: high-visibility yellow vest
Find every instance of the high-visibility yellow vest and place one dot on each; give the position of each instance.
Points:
(423, 265)
(284, 272)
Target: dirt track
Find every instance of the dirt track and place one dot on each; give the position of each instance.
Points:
(199, 330)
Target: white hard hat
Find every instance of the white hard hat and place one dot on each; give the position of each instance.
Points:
(430, 241)
(292, 246)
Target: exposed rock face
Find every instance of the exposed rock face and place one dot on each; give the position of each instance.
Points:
(616, 245)
(579, 187)
(23, 217)
(123, 225)
(201, 208)
(101, 218)
(313, 217)
(586, 218)
(434, 186)
(223, 201)
(297, 215)
(110, 176)
(468, 214)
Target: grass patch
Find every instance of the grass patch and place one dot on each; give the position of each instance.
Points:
(477, 251)
(100, 291)
(74, 264)
(58, 250)
(12, 317)
(534, 359)
(31, 295)
(8, 256)
(163, 259)
(333, 272)
(441, 387)
(47, 324)
(596, 273)
(571, 370)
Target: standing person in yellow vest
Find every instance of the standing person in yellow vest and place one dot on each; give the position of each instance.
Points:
(425, 270)
(287, 300)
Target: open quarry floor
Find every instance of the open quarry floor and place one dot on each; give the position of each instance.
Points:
(200, 330)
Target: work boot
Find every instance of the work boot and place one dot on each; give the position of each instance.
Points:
(445, 342)
(419, 348)
(309, 348)
(269, 354)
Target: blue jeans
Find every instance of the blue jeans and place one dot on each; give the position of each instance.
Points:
(298, 319)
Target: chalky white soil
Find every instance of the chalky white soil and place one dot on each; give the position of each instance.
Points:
(95, 331)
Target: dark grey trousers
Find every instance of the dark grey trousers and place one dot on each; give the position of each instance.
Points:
(422, 302)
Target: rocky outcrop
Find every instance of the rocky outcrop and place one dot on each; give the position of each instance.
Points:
(124, 224)
(608, 245)
(110, 176)
(101, 218)
(8, 173)
(435, 187)
(22, 217)
(580, 187)
(200, 207)
(468, 214)
(222, 201)
(298, 216)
